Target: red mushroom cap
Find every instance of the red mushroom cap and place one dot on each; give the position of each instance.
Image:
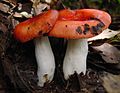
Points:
(36, 26)
(70, 24)
(83, 23)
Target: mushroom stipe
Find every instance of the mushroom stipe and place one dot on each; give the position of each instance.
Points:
(69, 24)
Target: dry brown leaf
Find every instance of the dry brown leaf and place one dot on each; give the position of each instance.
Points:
(111, 83)
(3, 28)
(109, 53)
(4, 8)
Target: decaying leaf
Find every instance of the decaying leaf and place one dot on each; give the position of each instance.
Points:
(17, 14)
(48, 1)
(109, 53)
(111, 83)
(40, 7)
(23, 10)
(25, 14)
(7, 6)
(3, 28)
(106, 34)
(4, 8)
(11, 2)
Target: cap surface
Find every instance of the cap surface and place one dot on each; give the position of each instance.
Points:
(36, 26)
(83, 23)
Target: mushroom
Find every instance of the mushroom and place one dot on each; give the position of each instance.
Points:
(34, 28)
(77, 26)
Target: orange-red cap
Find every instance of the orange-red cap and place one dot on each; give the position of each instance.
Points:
(36, 26)
(82, 23)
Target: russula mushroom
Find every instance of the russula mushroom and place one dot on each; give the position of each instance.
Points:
(34, 28)
(78, 25)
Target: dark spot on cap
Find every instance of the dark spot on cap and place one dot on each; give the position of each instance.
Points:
(91, 18)
(48, 24)
(86, 28)
(28, 28)
(94, 30)
(65, 25)
(101, 24)
(99, 28)
(79, 30)
(40, 32)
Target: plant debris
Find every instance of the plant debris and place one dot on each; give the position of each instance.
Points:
(108, 52)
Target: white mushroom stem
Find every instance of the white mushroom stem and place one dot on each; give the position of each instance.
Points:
(75, 57)
(43, 52)
(45, 60)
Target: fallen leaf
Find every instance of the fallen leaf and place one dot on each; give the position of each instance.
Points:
(25, 14)
(22, 14)
(48, 1)
(11, 2)
(17, 15)
(4, 8)
(109, 53)
(40, 7)
(111, 83)
(106, 34)
(3, 28)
